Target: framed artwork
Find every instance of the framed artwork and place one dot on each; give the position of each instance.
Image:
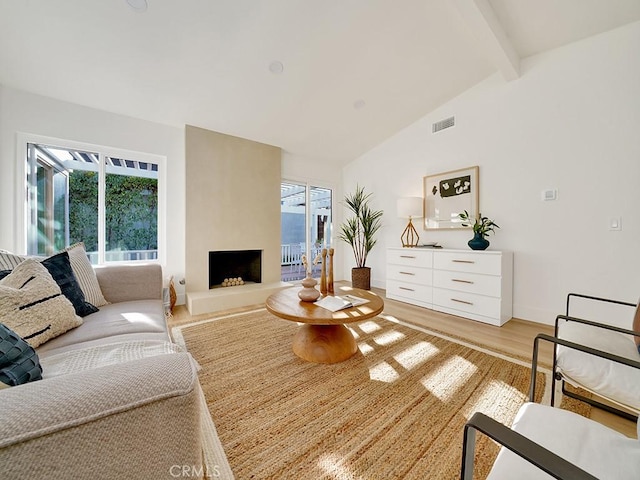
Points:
(448, 194)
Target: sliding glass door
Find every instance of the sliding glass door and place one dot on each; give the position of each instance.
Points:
(306, 213)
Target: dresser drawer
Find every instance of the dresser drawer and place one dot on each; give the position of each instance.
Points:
(466, 302)
(489, 264)
(410, 257)
(490, 285)
(409, 291)
(405, 273)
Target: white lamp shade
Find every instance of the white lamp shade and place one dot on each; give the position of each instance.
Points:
(410, 207)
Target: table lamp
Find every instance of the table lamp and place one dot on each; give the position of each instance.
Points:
(410, 207)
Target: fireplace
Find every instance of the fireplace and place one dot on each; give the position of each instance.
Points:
(226, 264)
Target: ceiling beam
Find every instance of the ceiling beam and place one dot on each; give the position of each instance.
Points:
(486, 28)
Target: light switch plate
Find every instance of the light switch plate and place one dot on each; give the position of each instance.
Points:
(615, 224)
(550, 194)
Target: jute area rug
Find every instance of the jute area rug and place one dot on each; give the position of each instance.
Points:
(395, 410)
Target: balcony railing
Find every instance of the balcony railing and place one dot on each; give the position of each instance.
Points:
(124, 256)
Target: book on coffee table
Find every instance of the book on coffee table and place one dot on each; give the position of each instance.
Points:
(341, 302)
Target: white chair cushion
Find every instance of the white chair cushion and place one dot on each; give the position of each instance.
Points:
(596, 449)
(612, 380)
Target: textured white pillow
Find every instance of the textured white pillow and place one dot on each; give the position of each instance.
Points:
(85, 275)
(32, 305)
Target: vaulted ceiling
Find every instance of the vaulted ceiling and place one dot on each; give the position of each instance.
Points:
(328, 79)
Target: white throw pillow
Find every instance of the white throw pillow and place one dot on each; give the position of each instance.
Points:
(9, 261)
(85, 274)
(33, 306)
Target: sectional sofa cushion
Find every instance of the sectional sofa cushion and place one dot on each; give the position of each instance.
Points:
(32, 304)
(19, 362)
(116, 322)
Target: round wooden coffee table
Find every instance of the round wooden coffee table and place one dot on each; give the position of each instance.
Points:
(323, 338)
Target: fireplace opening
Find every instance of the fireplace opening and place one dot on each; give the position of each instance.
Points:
(228, 264)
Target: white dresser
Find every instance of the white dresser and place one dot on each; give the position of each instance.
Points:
(466, 283)
(410, 275)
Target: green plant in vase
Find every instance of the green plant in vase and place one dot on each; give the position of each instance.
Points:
(359, 231)
(482, 226)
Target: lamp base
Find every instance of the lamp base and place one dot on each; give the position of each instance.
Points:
(410, 237)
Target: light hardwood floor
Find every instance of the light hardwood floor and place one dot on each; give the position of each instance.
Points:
(515, 338)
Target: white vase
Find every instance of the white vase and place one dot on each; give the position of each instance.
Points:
(308, 293)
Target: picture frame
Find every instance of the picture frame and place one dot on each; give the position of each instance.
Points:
(448, 194)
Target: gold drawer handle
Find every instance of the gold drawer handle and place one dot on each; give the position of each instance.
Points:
(405, 288)
(461, 301)
(462, 281)
(407, 273)
(407, 256)
(463, 261)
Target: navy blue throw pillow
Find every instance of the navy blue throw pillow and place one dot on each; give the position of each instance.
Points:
(60, 269)
(4, 273)
(19, 362)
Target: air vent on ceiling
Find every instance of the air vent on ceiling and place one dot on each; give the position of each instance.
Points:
(442, 124)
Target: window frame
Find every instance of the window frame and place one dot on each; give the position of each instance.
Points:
(22, 220)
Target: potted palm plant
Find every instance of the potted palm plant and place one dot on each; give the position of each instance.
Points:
(359, 231)
(482, 226)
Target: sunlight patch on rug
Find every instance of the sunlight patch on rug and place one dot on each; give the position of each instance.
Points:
(416, 355)
(383, 372)
(445, 381)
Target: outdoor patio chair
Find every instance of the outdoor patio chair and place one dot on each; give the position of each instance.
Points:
(599, 358)
(547, 442)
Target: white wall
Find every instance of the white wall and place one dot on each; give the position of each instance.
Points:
(571, 122)
(28, 113)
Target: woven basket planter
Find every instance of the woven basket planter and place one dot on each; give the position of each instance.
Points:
(361, 278)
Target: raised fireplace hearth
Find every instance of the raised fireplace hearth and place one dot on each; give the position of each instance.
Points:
(226, 264)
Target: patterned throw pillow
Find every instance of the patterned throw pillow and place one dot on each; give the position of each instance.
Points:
(33, 306)
(85, 274)
(60, 269)
(19, 362)
(70, 271)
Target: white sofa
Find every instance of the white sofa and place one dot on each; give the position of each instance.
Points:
(117, 399)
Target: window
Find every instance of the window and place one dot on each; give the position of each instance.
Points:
(108, 200)
(304, 230)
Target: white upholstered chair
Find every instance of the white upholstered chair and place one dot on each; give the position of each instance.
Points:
(546, 442)
(599, 358)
